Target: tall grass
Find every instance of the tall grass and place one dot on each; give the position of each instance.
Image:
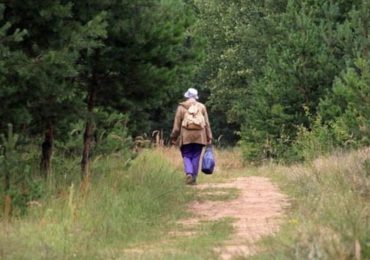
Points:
(120, 207)
(331, 209)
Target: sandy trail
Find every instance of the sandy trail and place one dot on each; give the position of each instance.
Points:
(257, 211)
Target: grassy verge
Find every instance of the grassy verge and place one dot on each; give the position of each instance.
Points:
(120, 208)
(330, 213)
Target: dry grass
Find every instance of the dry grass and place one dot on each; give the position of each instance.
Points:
(172, 154)
(329, 217)
(226, 160)
(229, 159)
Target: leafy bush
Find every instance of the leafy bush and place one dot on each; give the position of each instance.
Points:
(311, 143)
(259, 147)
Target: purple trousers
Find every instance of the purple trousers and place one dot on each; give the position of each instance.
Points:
(191, 157)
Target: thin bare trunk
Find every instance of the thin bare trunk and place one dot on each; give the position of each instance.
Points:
(85, 162)
(7, 198)
(88, 135)
(89, 128)
(6, 181)
(7, 207)
(47, 151)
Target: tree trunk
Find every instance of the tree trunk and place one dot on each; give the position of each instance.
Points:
(7, 207)
(89, 128)
(88, 135)
(6, 181)
(47, 150)
(7, 198)
(85, 162)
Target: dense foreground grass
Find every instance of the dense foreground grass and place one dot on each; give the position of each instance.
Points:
(120, 208)
(330, 213)
(132, 212)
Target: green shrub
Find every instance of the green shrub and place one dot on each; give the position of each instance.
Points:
(17, 176)
(310, 144)
(110, 136)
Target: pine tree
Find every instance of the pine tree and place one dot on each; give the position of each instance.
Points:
(43, 80)
(10, 61)
(300, 68)
(139, 63)
(346, 108)
(271, 62)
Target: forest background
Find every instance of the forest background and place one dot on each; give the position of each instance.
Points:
(284, 80)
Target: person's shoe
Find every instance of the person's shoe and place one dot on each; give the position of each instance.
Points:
(189, 179)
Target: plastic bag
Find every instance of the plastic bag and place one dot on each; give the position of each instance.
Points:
(208, 161)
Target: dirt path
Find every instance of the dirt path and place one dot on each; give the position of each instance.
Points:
(257, 211)
(253, 203)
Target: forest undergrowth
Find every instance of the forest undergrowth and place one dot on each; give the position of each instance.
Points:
(128, 205)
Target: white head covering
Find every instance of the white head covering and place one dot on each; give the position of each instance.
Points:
(191, 93)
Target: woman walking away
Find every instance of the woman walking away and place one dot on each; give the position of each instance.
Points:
(192, 131)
